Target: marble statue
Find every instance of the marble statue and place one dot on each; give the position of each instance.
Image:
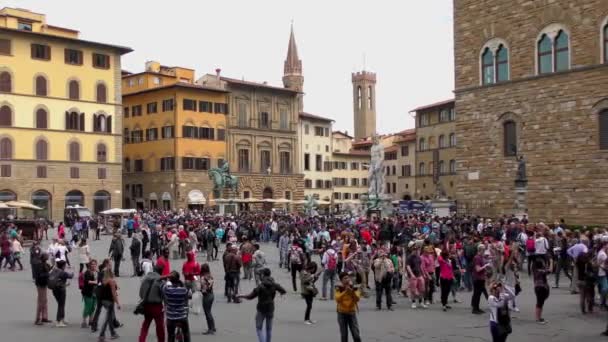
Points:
(521, 169)
(376, 173)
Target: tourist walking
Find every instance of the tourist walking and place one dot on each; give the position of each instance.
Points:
(383, 274)
(41, 281)
(308, 277)
(329, 261)
(541, 287)
(479, 279)
(150, 294)
(84, 254)
(347, 299)
(446, 278)
(208, 297)
(58, 282)
(176, 296)
(500, 320)
(89, 283)
(109, 300)
(116, 252)
(135, 249)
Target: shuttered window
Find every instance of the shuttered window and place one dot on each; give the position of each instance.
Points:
(74, 90)
(73, 57)
(6, 149)
(42, 150)
(5, 171)
(604, 129)
(6, 116)
(101, 61)
(41, 171)
(101, 153)
(102, 95)
(41, 88)
(101, 173)
(74, 172)
(40, 51)
(5, 47)
(74, 151)
(6, 82)
(510, 139)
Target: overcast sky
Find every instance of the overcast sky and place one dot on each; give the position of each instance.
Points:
(407, 43)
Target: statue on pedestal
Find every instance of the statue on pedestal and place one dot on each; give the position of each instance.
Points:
(521, 180)
(222, 179)
(376, 175)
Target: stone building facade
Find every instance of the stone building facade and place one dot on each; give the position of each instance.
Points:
(364, 103)
(532, 82)
(405, 163)
(436, 150)
(315, 136)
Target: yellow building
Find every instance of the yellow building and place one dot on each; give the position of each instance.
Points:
(174, 131)
(350, 168)
(60, 113)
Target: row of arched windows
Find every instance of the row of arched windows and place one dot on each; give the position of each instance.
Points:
(42, 150)
(553, 54)
(443, 168)
(73, 120)
(444, 142)
(41, 87)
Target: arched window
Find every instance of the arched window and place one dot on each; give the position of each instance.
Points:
(502, 64)
(605, 44)
(421, 170)
(101, 93)
(74, 197)
(370, 97)
(6, 149)
(74, 121)
(603, 123)
(74, 90)
(545, 55)
(562, 53)
(74, 151)
(510, 138)
(442, 170)
(41, 118)
(422, 145)
(101, 153)
(42, 150)
(127, 165)
(41, 86)
(6, 84)
(442, 141)
(359, 98)
(487, 66)
(452, 139)
(452, 166)
(101, 201)
(6, 116)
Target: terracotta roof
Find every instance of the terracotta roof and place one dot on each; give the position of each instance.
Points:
(315, 117)
(391, 148)
(121, 49)
(178, 85)
(256, 84)
(354, 153)
(433, 105)
(343, 133)
(363, 142)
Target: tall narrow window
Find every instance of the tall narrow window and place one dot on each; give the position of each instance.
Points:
(359, 97)
(603, 123)
(74, 90)
(452, 166)
(101, 93)
(370, 98)
(242, 119)
(6, 149)
(243, 161)
(41, 118)
(510, 139)
(264, 161)
(545, 52)
(6, 82)
(606, 43)
(6, 116)
(502, 64)
(285, 162)
(42, 150)
(74, 152)
(422, 145)
(41, 88)
(421, 169)
(562, 53)
(101, 153)
(283, 119)
(487, 66)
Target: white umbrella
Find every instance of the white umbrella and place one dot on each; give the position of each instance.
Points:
(3, 205)
(269, 200)
(118, 211)
(282, 200)
(22, 205)
(251, 200)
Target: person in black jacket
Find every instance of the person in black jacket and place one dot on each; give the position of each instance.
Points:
(41, 280)
(135, 249)
(265, 292)
(117, 248)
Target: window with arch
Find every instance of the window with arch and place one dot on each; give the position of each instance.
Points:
(452, 139)
(495, 64)
(74, 151)
(452, 166)
(510, 138)
(6, 83)
(6, 149)
(605, 43)
(553, 52)
(603, 124)
(422, 144)
(74, 121)
(370, 97)
(102, 123)
(42, 150)
(359, 98)
(102, 153)
(6, 116)
(41, 86)
(41, 118)
(73, 90)
(442, 142)
(442, 169)
(102, 93)
(421, 169)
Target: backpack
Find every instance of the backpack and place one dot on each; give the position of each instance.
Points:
(81, 280)
(295, 257)
(530, 246)
(332, 262)
(53, 281)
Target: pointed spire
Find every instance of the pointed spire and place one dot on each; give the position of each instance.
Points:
(293, 64)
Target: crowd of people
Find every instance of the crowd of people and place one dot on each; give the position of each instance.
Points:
(349, 258)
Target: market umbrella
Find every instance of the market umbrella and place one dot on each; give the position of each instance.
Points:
(4, 206)
(282, 200)
(22, 205)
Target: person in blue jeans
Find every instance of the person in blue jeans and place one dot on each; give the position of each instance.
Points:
(265, 292)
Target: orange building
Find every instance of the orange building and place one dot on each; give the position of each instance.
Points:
(174, 131)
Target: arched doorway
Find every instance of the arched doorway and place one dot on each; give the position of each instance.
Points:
(267, 193)
(7, 195)
(42, 198)
(407, 197)
(101, 201)
(74, 197)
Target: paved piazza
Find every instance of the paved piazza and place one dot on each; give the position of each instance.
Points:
(235, 323)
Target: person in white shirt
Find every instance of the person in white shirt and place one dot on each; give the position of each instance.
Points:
(602, 262)
(499, 298)
(541, 246)
(52, 250)
(84, 254)
(61, 252)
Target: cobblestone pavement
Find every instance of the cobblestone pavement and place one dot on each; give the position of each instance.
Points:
(235, 322)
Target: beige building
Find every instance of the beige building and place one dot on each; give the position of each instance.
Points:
(436, 152)
(400, 161)
(315, 136)
(349, 172)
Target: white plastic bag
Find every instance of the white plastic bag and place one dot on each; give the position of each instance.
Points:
(196, 302)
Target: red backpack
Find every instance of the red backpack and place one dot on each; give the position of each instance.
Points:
(332, 262)
(81, 280)
(531, 246)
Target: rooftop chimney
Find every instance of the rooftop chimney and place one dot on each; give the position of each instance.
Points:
(218, 72)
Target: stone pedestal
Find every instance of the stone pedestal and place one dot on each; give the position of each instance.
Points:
(227, 208)
(441, 207)
(520, 205)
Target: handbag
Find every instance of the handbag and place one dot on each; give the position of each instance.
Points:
(139, 308)
(503, 318)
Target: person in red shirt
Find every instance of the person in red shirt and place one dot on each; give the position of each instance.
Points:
(366, 236)
(163, 263)
(190, 269)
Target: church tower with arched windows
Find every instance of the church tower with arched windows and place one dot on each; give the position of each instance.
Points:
(364, 102)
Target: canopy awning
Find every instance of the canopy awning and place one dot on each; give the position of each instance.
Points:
(118, 211)
(22, 205)
(153, 196)
(166, 196)
(196, 197)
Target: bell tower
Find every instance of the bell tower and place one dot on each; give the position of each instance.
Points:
(292, 70)
(364, 103)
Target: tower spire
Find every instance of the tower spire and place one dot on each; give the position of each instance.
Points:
(293, 64)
